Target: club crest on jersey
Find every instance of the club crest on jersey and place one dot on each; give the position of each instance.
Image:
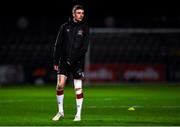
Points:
(80, 32)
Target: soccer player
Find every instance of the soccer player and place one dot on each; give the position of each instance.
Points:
(69, 57)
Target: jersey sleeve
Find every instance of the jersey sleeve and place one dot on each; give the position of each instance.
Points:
(57, 47)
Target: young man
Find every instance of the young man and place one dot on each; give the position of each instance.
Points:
(69, 54)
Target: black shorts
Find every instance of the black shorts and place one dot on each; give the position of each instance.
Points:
(76, 69)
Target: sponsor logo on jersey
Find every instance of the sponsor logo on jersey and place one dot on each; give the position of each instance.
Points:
(80, 32)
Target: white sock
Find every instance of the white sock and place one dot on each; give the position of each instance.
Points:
(79, 103)
(79, 96)
(60, 99)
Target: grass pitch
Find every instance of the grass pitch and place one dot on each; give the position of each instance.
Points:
(155, 104)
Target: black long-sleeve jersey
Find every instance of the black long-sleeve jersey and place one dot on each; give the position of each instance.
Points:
(72, 42)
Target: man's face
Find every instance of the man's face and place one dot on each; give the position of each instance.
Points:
(78, 15)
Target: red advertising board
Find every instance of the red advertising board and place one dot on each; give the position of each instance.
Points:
(126, 72)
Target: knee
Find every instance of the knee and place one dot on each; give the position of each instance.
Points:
(60, 86)
(79, 90)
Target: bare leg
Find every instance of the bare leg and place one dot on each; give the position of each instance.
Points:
(61, 80)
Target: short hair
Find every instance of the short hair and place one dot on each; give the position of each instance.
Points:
(76, 7)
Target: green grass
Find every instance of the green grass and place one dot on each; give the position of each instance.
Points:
(103, 105)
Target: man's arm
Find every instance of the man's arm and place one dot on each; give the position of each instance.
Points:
(84, 48)
(57, 48)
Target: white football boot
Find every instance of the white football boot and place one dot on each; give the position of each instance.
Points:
(58, 116)
(77, 118)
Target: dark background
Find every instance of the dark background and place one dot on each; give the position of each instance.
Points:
(126, 13)
(28, 29)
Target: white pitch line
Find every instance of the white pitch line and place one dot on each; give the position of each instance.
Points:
(10, 101)
(137, 106)
(21, 100)
(93, 106)
(170, 106)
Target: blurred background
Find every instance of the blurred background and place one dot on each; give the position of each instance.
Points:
(129, 42)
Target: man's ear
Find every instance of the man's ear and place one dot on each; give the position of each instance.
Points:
(73, 14)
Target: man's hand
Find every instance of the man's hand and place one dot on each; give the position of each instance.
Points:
(56, 67)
